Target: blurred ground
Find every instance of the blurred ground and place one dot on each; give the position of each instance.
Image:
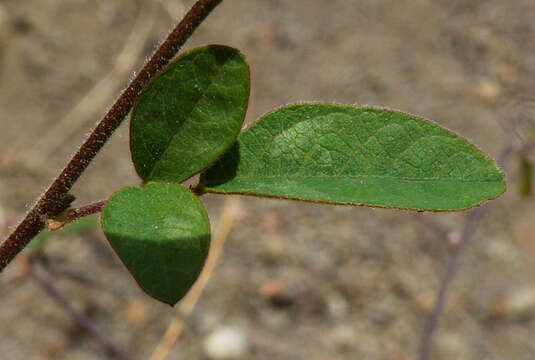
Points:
(357, 283)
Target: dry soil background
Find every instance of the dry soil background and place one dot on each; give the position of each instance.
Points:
(359, 283)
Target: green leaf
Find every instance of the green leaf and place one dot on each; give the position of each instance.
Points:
(162, 235)
(190, 114)
(357, 156)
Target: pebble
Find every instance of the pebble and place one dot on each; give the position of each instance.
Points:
(519, 305)
(226, 343)
(489, 89)
(136, 312)
(337, 306)
(276, 293)
(425, 300)
(273, 249)
(501, 250)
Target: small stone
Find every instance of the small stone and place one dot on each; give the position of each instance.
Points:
(136, 312)
(501, 250)
(226, 343)
(425, 300)
(273, 250)
(489, 89)
(337, 306)
(519, 305)
(276, 293)
(454, 240)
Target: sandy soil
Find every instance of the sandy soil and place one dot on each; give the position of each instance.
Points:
(357, 283)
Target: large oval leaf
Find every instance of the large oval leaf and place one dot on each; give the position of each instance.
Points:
(190, 114)
(357, 156)
(162, 235)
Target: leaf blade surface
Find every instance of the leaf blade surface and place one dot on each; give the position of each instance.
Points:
(190, 114)
(356, 156)
(162, 235)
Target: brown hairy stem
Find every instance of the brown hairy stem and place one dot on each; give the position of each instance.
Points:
(75, 214)
(71, 215)
(53, 200)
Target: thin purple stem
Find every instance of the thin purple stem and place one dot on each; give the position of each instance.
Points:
(453, 263)
(76, 316)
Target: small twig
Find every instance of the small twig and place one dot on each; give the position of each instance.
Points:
(453, 260)
(174, 330)
(452, 264)
(75, 214)
(76, 316)
(48, 204)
